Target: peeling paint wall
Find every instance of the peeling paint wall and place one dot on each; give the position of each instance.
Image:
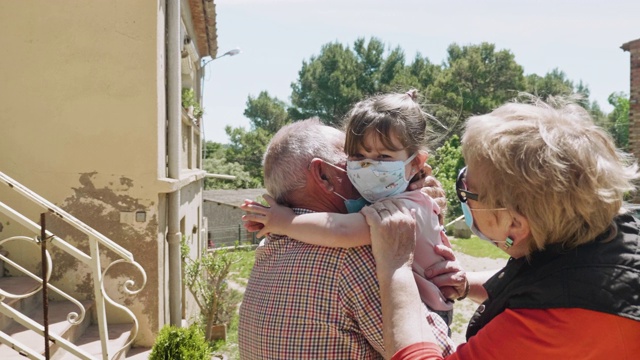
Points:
(83, 126)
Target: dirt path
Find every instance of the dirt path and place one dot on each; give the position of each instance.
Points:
(464, 309)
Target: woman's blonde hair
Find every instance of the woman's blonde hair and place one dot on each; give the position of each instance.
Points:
(550, 163)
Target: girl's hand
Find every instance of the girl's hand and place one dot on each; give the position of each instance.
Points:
(274, 218)
(448, 274)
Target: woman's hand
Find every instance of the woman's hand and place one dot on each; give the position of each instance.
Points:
(266, 219)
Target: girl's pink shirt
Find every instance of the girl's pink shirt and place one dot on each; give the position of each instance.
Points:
(429, 232)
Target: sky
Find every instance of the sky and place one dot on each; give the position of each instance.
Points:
(580, 37)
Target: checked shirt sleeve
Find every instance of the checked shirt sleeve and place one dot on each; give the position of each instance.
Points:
(360, 295)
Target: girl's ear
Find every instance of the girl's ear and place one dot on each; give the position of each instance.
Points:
(418, 162)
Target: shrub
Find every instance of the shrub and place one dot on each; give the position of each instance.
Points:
(175, 343)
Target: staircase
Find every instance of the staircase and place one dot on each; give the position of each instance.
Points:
(77, 329)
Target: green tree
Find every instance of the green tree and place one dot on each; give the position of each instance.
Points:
(242, 157)
(219, 165)
(327, 85)
(475, 80)
(213, 150)
(618, 119)
(266, 112)
(553, 83)
(369, 58)
(446, 162)
(246, 147)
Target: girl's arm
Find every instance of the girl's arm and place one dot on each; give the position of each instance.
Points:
(324, 229)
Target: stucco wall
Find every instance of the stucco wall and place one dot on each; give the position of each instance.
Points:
(82, 124)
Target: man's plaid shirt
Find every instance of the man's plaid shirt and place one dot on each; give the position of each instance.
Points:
(310, 302)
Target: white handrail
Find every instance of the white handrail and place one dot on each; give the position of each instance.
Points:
(35, 228)
(65, 216)
(92, 260)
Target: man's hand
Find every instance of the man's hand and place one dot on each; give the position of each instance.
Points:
(393, 234)
(393, 240)
(448, 275)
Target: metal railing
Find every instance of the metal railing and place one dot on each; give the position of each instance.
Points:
(92, 260)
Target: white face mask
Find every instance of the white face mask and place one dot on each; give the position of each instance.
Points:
(376, 180)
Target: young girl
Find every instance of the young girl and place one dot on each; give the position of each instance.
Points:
(385, 137)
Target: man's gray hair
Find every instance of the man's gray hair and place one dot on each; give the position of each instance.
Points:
(290, 152)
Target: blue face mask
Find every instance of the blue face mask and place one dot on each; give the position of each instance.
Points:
(468, 219)
(463, 193)
(352, 205)
(377, 180)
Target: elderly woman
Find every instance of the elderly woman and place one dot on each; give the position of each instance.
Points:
(546, 185)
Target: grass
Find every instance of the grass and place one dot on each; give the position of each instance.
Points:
(477, 247)
(459, 322)
(240, 271)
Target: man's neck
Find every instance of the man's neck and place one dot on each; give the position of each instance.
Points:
(316, 201)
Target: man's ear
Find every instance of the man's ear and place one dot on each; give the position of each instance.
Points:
(319, 176)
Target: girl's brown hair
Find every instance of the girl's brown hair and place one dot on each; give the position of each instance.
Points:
(397, 113)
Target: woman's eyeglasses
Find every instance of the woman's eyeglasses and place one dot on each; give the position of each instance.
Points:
(461, 187)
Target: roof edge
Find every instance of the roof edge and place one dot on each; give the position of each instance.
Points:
(631, 44)
(203, 14)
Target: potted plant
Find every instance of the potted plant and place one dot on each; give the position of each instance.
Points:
(206, 279)
(191, 104)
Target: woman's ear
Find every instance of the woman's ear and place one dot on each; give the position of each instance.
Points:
(520, 233)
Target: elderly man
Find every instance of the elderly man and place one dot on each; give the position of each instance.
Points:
(305, 301)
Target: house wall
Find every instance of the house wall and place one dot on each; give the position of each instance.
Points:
(634, 98)
(83, 125)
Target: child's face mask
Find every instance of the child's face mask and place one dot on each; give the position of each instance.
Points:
(376, 180)
(352, 205)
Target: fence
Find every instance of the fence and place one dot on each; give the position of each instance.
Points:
(229, 235)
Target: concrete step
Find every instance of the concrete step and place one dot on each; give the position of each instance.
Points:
(19, 285)
(138, 353)
(58, 324)
(90, 341)
(85, 335)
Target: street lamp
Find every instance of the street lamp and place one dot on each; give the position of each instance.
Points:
(232, 52)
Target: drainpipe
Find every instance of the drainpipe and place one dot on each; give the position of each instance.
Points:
(174, 135)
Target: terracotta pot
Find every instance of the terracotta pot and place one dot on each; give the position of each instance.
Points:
(218, 332)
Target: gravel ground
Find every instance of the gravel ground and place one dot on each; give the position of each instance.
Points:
(464, 309)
